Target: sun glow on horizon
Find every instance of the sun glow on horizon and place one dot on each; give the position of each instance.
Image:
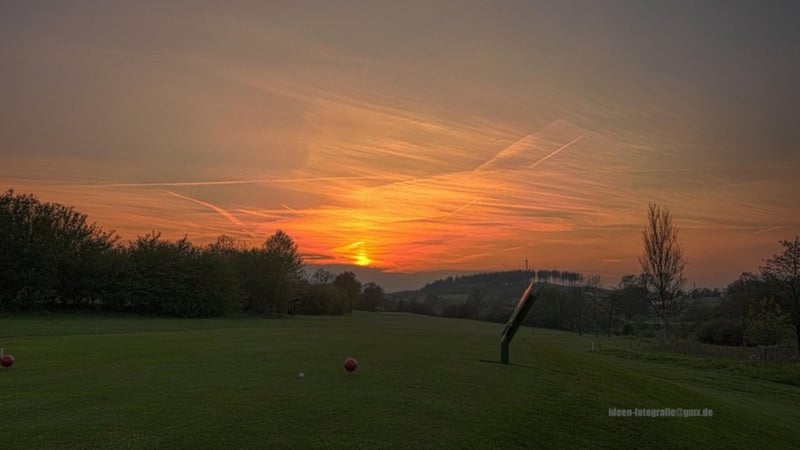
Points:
(362, 259)
(572, 209)
(354, 252)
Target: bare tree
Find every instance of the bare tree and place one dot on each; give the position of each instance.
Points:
(662, 266)
(783, 271)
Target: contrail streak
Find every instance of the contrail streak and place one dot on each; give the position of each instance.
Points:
(293, 210)
(515, 148)
(461, 208)
(272, 217)
(767, 230)
(217, 209)
(252, 181)
(555, 152)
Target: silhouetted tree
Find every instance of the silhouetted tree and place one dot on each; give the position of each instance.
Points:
(783, 270)
(764, 322)
(270, 275)
(372, 297)
(662, 266)
(745, 289)
(50, 255)
(282, 248)
(227, 246)
(348, 282)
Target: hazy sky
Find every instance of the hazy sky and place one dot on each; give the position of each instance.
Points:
(414, 137)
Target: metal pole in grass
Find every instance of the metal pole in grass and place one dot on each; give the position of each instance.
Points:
(517, 317)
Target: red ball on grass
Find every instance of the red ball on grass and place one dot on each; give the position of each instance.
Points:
(350, 364)
(7, 361)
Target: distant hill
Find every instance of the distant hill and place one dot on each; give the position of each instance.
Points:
(486, 296)
(494, 286)
(464, 285)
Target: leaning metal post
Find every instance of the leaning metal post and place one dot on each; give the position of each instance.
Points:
(517, 317)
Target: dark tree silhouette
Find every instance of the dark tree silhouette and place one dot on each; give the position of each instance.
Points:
(50, 255)
(281, 247)
(662, 266)
(763, 322)
(372, 297)
(350, 285)
(783, 270)
(742, 291)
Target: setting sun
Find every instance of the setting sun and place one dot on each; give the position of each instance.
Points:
(362, 259)
(354, 252)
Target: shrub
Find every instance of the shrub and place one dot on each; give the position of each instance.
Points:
(721, 331)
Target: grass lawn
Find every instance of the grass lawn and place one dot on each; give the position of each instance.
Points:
(423, 382)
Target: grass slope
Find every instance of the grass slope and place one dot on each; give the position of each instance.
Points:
(111, 382)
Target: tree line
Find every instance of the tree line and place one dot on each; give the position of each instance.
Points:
(53, 258)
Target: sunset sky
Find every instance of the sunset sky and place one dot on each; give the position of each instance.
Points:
(414, 139)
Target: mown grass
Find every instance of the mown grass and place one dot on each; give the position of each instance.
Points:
(779, 372)
(423, 382)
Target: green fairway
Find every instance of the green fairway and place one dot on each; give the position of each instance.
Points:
(124, 382)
